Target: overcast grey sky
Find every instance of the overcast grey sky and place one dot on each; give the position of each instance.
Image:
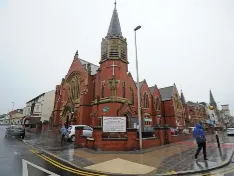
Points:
(189, 42)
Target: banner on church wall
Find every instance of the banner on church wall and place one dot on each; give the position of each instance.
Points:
(114, 124)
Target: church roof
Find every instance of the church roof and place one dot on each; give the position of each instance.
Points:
(190, 103)
(94, 68)
(152, 89)
(166, 93)
(114, 28)
(140, 83)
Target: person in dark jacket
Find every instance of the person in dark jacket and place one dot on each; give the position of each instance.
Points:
(198, 134)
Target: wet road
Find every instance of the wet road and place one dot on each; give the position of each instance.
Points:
(18, 159)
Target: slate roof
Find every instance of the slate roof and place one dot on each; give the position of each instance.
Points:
(166, 93)
(94, 68)
(140, 83)
(114, 28)
(191, 103)
(152, 89)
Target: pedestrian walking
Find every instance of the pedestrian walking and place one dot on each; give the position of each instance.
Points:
(63, 131)
(198, 134)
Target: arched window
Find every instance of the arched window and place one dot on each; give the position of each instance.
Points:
(123, 90)
(157, 107)
(146, 100)
(132, 96)
(103, 91)
(94, 90)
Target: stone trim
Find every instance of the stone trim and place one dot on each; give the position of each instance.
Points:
(149, 138)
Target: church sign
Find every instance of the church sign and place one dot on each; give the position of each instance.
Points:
(114, 124)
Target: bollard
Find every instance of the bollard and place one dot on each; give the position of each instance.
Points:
(217, 138)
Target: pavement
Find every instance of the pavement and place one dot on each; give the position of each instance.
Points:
(18, 159)
(172, 159)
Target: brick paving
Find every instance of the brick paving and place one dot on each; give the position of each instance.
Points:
(166, 159)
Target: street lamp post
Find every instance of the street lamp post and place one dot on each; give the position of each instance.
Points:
(138, 92)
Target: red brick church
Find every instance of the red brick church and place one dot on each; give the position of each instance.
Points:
(87, 89)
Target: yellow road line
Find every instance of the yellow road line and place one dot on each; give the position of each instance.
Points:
(70, 167)
(229, 170)
(173, 172)
(61, 166)
(226, 171)
(168, 173)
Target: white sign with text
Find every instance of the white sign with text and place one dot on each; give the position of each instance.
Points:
(114, 124)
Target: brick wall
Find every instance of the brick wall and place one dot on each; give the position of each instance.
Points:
(181, 137)
(150, 142)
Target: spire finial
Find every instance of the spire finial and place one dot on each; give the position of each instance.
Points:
(114, 28)
(115, 4)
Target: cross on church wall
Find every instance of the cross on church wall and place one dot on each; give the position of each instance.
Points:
(113, 67)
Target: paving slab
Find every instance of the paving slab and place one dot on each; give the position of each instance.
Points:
(174, 159)
(121, 166)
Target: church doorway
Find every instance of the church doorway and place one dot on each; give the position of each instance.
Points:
(128, 123)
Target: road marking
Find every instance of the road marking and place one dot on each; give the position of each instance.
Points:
(173, 172)
(168, 173)
(61, 166)
(25, 168)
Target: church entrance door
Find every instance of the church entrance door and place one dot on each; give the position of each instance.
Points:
(128, 123)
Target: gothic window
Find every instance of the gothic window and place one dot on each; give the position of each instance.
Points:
(123, 90)
(103, 91)
(157, 107)
(94, 90)
(146, 100)
(132, 96)
(177, 102)
(74, 88)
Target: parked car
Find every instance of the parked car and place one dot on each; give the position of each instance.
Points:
(174, 131)
(191, 129)
(186, 131)
(87, 131)
(15, 130)
(230, 131)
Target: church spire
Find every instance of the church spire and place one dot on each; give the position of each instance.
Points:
(114, 28)
(212, 101)
(182, 97)
(114, 45)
